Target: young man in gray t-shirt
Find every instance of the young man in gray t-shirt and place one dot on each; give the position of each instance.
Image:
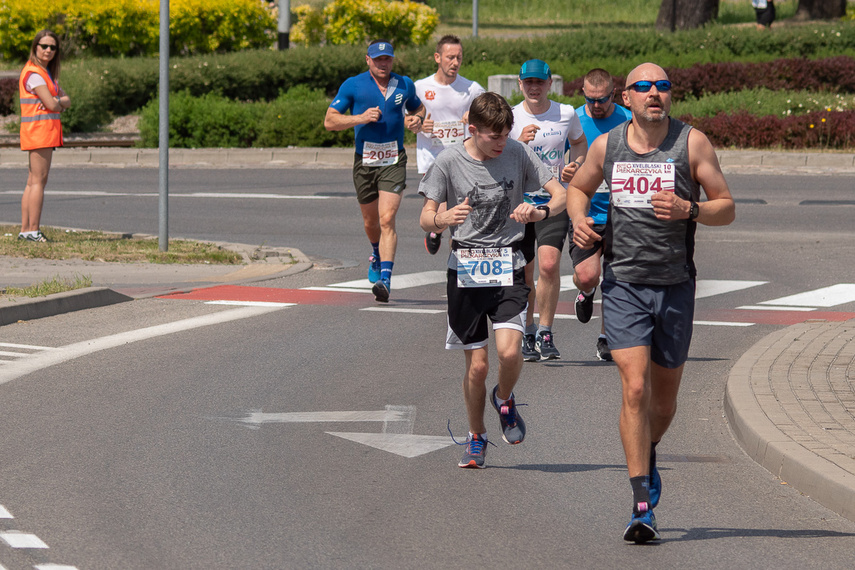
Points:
(483, 180)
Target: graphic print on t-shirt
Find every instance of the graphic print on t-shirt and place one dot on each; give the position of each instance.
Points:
(491, 206)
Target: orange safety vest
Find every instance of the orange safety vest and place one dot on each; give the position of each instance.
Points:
(39, 128)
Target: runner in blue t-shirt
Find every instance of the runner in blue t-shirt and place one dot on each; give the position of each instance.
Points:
(598, 115)
(377, 101)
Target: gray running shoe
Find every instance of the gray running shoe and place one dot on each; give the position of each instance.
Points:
(475, 453)
(529, 350)
(585, 306)
(603, 352)
(546, 347)
(513, 426)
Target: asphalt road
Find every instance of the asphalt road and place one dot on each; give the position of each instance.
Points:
(178, 447)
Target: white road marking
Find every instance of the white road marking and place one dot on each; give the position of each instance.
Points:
(54, 567)
(723, 324)
(231, 195)
(406, 445)
(25, 346)
(62, 354)
(258, 418)
(4, 513)
(711, 287)
(825, 297)
(13, 354)
(18, 539)
(251, 303)
(405, 281)
(759, 308)
(338, 289)
(399, 310)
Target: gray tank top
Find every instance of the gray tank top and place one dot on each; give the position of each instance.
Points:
(639, 248)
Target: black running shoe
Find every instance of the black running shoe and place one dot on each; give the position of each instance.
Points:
(513, 426)
(585, 306)
(433, 241)
(546, 347)
(529, 349)
(603, 352)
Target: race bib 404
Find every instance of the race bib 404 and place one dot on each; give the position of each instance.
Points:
(485, 267)
(379, 154)
(633, 183)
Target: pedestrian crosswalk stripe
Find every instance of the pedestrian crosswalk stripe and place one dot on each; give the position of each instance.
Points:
(826, 297)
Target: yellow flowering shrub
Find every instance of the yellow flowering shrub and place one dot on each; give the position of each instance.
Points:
(132, 27)
(357, 21)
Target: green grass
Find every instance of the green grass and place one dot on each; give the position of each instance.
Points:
(50, 287)
(549, 15)
(98, 246)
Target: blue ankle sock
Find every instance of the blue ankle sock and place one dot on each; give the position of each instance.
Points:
(386, 270)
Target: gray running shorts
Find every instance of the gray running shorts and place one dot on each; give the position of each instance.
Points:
(658, 316)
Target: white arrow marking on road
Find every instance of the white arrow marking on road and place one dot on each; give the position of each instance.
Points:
(396, 436)
(34, 362)
(711, 287)
(406, 445)
(401, 282)
(825, 297)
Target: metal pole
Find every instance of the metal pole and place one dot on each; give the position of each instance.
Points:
(474, 18)
(163, 130)
(284, 24)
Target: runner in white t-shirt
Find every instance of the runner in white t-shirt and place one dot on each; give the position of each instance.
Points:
(545, 126)
(446, 97)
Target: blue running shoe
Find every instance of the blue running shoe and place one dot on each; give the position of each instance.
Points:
(655, 487)
(373, 269)
(513, 426)
(642, 527)
(475, 453)
(381, 290)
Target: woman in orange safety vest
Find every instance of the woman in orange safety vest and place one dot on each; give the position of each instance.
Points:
(42, 100)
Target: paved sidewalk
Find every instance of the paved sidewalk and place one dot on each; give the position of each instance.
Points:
(790, 401)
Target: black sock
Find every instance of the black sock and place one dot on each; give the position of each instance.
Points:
(653, 455)
(640, 493)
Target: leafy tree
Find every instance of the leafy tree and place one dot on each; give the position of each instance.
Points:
(821, 9)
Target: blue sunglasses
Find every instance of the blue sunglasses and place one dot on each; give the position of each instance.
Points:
(645, 86)
(601, 100)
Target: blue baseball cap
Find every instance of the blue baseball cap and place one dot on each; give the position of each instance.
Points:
(380, 48)
(535, 68)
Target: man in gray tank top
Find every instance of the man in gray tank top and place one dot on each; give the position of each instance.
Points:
(655, 168)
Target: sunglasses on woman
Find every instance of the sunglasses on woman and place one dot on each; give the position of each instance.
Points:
(47, 47)
(645, 86)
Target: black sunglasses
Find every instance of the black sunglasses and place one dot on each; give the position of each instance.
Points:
(47, 47)
(601, 100)
(644, 86)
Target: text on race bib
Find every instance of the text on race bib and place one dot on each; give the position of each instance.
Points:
(379, 154)
(485, 267)
(633, 183)
(446, 133)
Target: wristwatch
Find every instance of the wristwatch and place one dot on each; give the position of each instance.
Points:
(694, 211)
(545, 208)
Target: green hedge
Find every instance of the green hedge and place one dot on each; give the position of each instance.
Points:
(209, 121)
(132, 27)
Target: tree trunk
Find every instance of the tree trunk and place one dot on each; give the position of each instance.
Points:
(821, 9)
(685, 14)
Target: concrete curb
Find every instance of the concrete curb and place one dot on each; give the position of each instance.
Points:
(762, 439)
(25, 309)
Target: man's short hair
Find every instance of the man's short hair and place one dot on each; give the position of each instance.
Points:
(448, 39)
(598, 78)
(490, 111)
